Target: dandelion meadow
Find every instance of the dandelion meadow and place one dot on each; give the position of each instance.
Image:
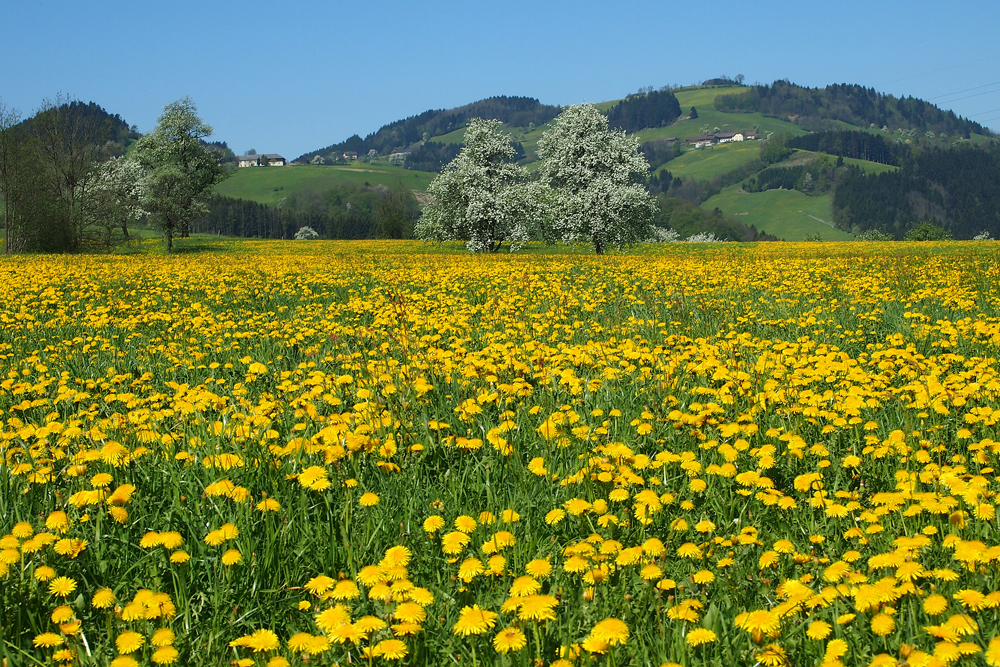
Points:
(388, 453)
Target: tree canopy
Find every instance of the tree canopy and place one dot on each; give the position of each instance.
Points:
(481, 197)
(596, 176)
(181, 169)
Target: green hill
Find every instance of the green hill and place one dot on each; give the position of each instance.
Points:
(269, 185)
(787, 214)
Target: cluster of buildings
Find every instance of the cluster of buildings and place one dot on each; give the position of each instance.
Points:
(265, 160)
(720, 138)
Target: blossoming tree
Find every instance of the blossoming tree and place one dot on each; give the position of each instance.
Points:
(595, 174)
(481, 197)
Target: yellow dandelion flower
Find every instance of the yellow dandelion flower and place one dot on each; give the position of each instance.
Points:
(819, 630)
(231, 557)
(129, 642)
(474, 621)
(611, 630)
(319, 584)
(368, 499)
(509, 639)
(470, 569)
(268, 505)
(48, 640)
(179, 557)
(434, 523)
(62, 614)
(390, 649)
(934, 605)
(465, 524)
(165, 655)
(699, 636)
(883, 624)
(163, 637)
(524, 586)
(703, 577)
(103, 598)
(539, 568)
(62, 586)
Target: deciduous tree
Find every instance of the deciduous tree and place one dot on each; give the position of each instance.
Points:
(595, 174)
(482, 197)
(181, 170)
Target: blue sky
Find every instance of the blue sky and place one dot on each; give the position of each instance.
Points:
(292, 77)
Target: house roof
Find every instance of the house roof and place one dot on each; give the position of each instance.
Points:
(244, 158)
(273, 156)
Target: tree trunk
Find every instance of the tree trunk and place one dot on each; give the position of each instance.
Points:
(170, 240)
(598, 247)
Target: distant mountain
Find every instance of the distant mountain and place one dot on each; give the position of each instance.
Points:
(400, 135)
(99, 126)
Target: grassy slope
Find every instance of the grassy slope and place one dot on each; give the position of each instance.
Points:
(788, 214)
(268, 185)
(704, 163)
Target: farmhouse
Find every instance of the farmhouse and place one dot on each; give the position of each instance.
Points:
(720, 138)
(701, 141)
(350, 155)
(266, 160)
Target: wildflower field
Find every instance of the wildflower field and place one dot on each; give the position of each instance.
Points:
(388, 453)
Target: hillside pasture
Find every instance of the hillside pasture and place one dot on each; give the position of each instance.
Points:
(704, 96)
(788, 214)
(704, 163)
(269, 185)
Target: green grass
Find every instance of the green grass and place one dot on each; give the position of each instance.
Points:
(453, 137)
(788, 214)
(704, 163)
(870, 167)
(704, 96)
(269, 185)
(726, 122)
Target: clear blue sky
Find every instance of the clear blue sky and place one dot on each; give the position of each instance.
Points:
(295, 76)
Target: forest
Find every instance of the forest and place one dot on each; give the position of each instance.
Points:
(344, 212)
(636, 112)
(48, 170)
(955, 188)
(816, 108)
(859, 145)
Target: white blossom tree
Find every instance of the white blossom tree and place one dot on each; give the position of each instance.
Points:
(114, 199)
(482, 197)
(595, 173)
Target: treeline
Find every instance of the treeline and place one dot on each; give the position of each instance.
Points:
(343, 212)
(660, 151)
(636, 112)
(955, 188)
(686, 219)
(517, 111)
(852, 104)
(859, 145)
(50, 172)
(433, 155)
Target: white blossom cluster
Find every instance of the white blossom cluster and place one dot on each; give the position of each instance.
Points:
(589, 188)
(306, 234)
(661, 235)
(482, 197)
